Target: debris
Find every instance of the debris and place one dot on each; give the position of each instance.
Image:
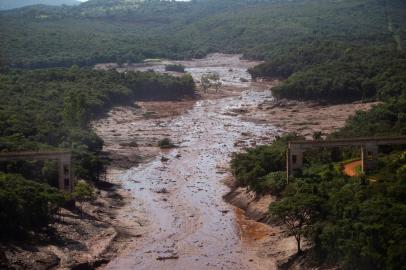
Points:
(162, 190)
(170, 257)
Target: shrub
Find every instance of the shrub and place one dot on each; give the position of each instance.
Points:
(250, 167)
(25, 205)
(83, 191)
(176, 68)
(165, 143)
(274, 182)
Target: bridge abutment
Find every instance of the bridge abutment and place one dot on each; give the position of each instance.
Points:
(65, 174)
(294, 160)
(369, 156)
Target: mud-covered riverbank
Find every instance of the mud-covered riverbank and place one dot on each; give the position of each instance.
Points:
(82, 237)
(179, 192)
(165, 208)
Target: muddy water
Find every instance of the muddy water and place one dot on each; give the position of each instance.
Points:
(189, 226)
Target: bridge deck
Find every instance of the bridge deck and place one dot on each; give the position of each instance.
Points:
(309, 144)
(40, 155)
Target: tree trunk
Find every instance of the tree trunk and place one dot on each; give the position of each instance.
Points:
(299, 250)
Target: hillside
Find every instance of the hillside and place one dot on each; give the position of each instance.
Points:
(100, 31)
(321, 52)
(327, 50)
(11, 4)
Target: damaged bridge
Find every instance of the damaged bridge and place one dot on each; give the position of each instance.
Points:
(64, 158)
(369, 150)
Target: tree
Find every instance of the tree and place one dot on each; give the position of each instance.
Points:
(210, 80)
(317, 136)
(74, 110)
(165, 143)
(26, 205)
(175, 68)
(297, 213)
(83, 192)
(274, 183)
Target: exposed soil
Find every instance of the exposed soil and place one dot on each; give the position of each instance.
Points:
(305, 118)
(166, 208)
(83, 237)
(180, 190)
(350, 168)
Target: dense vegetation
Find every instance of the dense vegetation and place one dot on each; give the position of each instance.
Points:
(337, 72)
(48, 109)
(354, 222)
(262, 168)
(331, 51)
(25, 205)
(175, 68)
(104, 30)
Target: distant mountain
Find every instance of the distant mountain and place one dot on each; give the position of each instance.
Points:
(10, 4)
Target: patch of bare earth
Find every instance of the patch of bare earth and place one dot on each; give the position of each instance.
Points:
(85, 236)
(305, 118)
(164, 208)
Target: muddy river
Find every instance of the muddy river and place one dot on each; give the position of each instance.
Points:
(178, 192)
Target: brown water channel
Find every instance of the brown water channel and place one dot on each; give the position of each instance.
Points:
(188, 225)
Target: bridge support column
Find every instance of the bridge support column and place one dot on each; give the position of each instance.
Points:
(369, 156)
(294, 160)
(65, 180)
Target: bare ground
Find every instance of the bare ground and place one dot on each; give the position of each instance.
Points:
(83, 237)
(119, 223)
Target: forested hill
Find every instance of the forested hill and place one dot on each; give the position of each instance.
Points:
(106, 30)
(10, 4)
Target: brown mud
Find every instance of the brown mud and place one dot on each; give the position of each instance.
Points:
(180, 191)
(165, 208)
(190, 225)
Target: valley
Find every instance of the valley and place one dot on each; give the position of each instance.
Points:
(179, 192)
(160, 134)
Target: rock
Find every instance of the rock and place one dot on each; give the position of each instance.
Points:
(172, 256)
(162, 190)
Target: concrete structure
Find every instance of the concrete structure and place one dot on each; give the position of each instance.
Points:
(65, 175)
(368, 146)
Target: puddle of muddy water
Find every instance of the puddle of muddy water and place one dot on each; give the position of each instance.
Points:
(190, 226)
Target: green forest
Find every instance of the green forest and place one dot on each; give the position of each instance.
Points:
(49, 109)
(324, 50)
(130, 31)
(350, 221)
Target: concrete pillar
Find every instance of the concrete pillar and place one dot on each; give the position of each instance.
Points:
(369, 156)
(294, 160)
(65, 178)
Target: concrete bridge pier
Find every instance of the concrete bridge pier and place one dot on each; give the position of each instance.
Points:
(294, 158)
(369, 156)
(65, 174)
